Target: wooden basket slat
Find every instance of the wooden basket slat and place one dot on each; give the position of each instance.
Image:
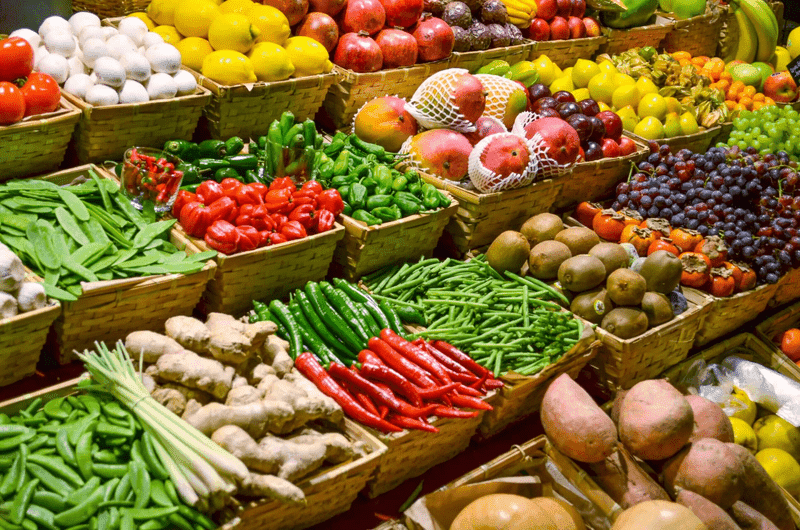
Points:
(776, 324)
(724, 315)
(473, 60)
(698, 35)
(698, 143)
(110, 8)
(37, 144)
(788, 288)
(620, 40)
(565, 53)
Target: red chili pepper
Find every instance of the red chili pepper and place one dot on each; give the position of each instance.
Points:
(248, 195)
(195, 218)
(261, 219)
(249, 238)
(271, 238)
(398, 383)
(279, 219)
(466, 379)
(469, 402)
(184, 197)
(369, 357)
(231, 187)
(449, 412)
(293, 230)
(365, 401)
(383, 411)
(224, 208)
(325, 220)
(416, 354)
(479, 383)
(209, 191)
(430, 394)
(308, 365)
(261, 188)
(283, 183)
(312, 186)
(461, 358)
(405, 367)
(245, 216)
(305, 214)
(223, 237)
(331, 200)
(469, 391)
(411, 423)
(279, 201)
(443, 359)
(493, 384)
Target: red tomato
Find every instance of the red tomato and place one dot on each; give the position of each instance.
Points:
(12, 103)
(41, 93)
(16, 56)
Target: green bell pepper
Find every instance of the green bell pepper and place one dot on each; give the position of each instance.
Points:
(369, 183)
(362, 170)
(344, 191)
(430, 196)
(414, 187)
(226, 173)
(357, 196)
(406, 204)
(183, 149)
(211, 149)
(340, 180)
(444, 200)
(387, 213)
(326, 169)
(383, 177)
(347, 208)
(262, 142)
(366, 217)
(379, 201)
(233, 146)
(342, 164)
(400, 183)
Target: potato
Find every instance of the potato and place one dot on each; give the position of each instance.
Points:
(709, 468)
(709, 420)
(575, 424)
(712, 515)
(655, 420)
(761, 492)
(624, 481)
(749, 518)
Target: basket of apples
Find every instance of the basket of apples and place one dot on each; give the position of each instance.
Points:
(36, 123)
(563, 32)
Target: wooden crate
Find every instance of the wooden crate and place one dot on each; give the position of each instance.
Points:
(110, 8)
(698, 35)
(474, 60)
(483, 216)
(724, 315)
(365, 249)
(698, 142)
(620, 40)
(565, 53)
(37, 144)
(352, 90)
(597, 180)
(108, 310)
(777, 324)
(264, 273)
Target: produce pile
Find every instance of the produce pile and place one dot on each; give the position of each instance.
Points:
(23, 92)
(87, 232)
(17, 296)
(562, 20)
(483, 25)
(767, 130)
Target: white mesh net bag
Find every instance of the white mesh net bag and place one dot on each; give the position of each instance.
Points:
(548, 167)
(487, 181)
(432, 104)
(498, 90)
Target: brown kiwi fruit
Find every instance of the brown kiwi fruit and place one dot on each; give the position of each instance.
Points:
(579, 239)
(626, 287)
(508, 252)
(541, 227)
(581, 273)
(613, 255)
(662, 271)
(592, 305)
(657, 307)
(546, 258)
(625, 322)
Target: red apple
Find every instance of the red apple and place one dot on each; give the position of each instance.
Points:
(781, 87)
(564, 8)
(505, 154)
(540, 29)
(562, 141)
(626, 146)
(610, 148)
(559, 29)
(576, 28)
(592, 27)
(485, 126)
(578, 8)
(547, 9)
(612, 123)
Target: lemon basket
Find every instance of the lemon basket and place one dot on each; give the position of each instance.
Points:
(698, 35)
(620, 40)
(565, 53)
(110, 8)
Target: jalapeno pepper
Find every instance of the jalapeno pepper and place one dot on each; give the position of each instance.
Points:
(357, 196)
(288, 136)
(366, 217)
(243, 161)
(211, 163)
(233, 146)
(285, 123)
(334, 148)
(190, 173)
(379, 201)
(211, 149)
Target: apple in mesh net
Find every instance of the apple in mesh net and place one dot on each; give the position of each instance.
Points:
(441, 152)
(561, 140)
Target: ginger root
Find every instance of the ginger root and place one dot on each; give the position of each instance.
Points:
(272, 487)
(150, 345)
(257, 418)
(307, 405)
(189, 369)
(276, 353)
(190, 393)
(233, 341)
(189, 333)
(173, 400)
(243, 395)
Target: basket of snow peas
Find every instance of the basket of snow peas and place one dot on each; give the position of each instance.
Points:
(510, 324)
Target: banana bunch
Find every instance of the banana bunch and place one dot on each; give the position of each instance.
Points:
(521, 12)
(758, 31)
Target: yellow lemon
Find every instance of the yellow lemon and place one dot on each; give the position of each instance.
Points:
(602, 86)
(603, 106)
(607, 66)
(546, 69)
(672, 125)
(273, 25)
(193, 51)
(271, 62)
(144, 18)
(652, 105)
(236, 6)
(782, 468)
(782, 58)
(562, 83)
(232, 31)
(193, 17)
(162, 12)
(625, 96)
(558, 70)
(689, 124)
(567, 72)
(623, 79)
(646, 86)
(629, 118)
(581, 93)
(744, 435)
(775, 432)
(649, 128)
(793, 43)
(308, 56)
(169, 34)
(742, 405)
(228, 67)
(673, 105)
(583, 71)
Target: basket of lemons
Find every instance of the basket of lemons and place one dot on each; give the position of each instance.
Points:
(244, 53)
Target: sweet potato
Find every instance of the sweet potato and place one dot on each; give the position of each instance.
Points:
(709, 468)
(617, 405)
(655, 420)
(749, 518)
(624, 481)
(709, 420)
(761, 492)
(575, 424)
(712, 515)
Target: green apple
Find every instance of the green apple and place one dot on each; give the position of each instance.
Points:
(766, 71)
(684, 9)
(748, 74)
(665, 5)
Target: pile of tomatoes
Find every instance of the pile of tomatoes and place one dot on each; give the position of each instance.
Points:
(23, 92)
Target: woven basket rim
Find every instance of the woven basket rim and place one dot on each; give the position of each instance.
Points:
(665, 27)
(351, 76)
(457, 191)
(493, 51)
(67, 111)
(569, 43)
(261, 87)
(199, 98)
(718, 11)
(53, 306)
(700, 135)
(712, 299)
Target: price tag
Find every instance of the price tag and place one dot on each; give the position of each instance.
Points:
(794, 69)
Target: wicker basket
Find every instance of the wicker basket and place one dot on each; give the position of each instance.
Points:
(109, 310)
(565, 53)
(596, 180)
(620, 40)
(327, 494)
(264, 273)
(788, 289)
(621, 363)
(110, 8)
(352, 90)
(37, 144)
(776, 324)
(698, 142)
(473, 60)
(724, 315)
(105, 133)
(483, 216)
(697, 35)
(365, 249)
